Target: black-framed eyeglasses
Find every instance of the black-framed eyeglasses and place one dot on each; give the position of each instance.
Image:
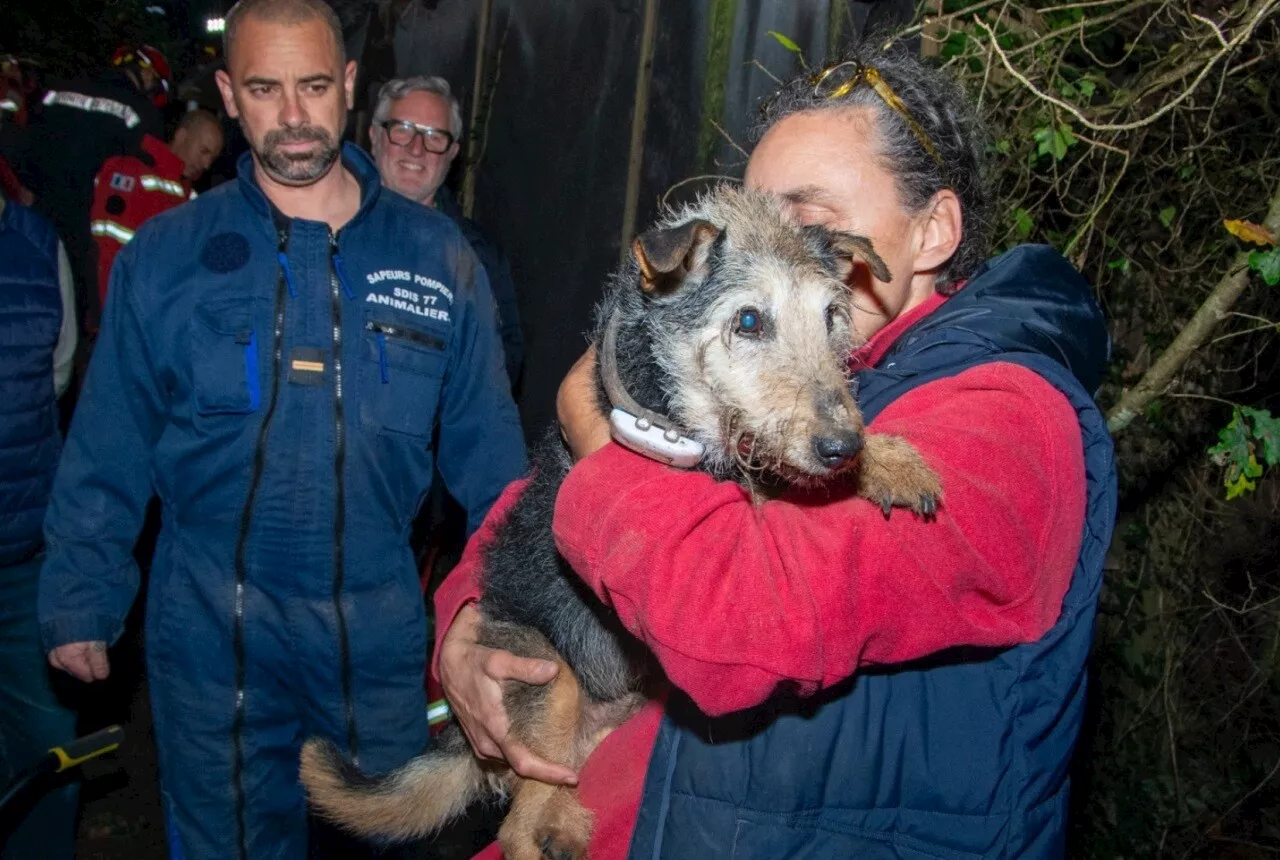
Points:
(843, 78)
(401, 132)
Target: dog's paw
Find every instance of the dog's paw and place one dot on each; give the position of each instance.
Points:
(556, 844)
(565, 829)
(894, 475)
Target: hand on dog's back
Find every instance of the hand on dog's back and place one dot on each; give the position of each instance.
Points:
(473, 678)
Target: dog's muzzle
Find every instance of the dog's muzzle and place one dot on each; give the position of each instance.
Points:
(838, 448)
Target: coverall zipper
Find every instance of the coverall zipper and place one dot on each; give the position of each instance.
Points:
(396, 332)
(283, 281)
(336, 289)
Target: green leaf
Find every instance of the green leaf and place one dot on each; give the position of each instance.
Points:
(955, 45)
(1242, 484)
(1121, 265)
(1022, 223)
(1233, 449)
(786, 43)
(1166, 216)
(1053, 141)
(1044, 140)
(1266, 264)
(1086, 87)
(1186, 171)
(1003, 147)
(1266, 432)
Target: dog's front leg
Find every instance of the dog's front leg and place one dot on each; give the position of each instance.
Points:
(893, 474)
(548, 821)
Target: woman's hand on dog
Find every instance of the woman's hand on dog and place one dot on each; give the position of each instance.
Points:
(473, 676)
(585, 429)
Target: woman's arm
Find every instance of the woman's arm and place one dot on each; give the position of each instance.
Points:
(735, 597)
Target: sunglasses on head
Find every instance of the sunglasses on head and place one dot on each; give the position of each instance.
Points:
(839, 80)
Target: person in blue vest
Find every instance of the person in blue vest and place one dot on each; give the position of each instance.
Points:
(37, 344)
(276, 359)
(845, 684)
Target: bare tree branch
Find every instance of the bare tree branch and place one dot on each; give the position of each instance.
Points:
(1214, 309)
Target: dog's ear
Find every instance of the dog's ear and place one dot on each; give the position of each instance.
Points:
(851, 250)
(668, 254)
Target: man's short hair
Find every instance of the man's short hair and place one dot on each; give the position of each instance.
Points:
(397, 88)
(283, 12)
(192, 120)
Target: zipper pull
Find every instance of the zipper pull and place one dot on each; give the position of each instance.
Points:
(336, 256)
(282, 234)
(288, 274)
(342, 277)
(382, 358)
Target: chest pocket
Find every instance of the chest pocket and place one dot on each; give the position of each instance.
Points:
(224, 359)
(401, 373)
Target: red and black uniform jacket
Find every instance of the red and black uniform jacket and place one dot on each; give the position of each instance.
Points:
(126, 192)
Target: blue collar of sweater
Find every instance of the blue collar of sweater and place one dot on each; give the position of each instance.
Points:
(1028, 299)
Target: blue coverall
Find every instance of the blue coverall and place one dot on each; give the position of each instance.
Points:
(278, 387)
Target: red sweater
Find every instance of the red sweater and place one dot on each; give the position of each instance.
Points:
(734, 597)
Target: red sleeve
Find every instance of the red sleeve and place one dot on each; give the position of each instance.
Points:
(111, 230)
(462, 585)
(734, 597)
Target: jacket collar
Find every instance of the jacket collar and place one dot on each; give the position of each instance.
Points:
(354, 159)
(870, 353)
(167, 163)
(1028, 299)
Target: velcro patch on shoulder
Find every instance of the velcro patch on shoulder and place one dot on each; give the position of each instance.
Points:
(123, 182)
(225, 253)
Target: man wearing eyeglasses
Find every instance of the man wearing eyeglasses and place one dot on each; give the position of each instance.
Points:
(417, 126)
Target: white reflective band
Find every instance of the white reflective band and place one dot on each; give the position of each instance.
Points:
(122, 235)
(437, 712)
(159, 183)
(95, 104)
(9, 105)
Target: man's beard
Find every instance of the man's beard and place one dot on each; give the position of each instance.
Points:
(298, 168)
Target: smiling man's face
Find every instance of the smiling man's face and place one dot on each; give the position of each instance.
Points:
(411, 170)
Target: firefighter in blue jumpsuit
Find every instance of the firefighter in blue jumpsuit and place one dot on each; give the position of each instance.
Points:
(275, 361)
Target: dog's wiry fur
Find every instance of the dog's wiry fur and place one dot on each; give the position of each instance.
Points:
(764, 402)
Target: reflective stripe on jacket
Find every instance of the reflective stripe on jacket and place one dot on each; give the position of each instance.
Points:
(126, 192)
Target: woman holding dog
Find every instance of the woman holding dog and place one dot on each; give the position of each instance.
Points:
(846, 684)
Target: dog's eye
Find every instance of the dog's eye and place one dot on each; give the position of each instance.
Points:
(749, 322)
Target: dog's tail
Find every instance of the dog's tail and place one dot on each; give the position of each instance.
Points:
(411, 802)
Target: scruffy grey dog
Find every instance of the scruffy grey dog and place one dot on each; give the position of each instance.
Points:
(735, 323)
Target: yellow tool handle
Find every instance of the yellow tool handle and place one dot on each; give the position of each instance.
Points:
(82, 749)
